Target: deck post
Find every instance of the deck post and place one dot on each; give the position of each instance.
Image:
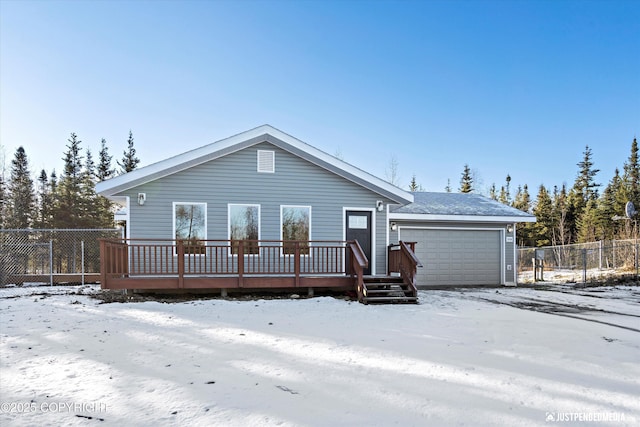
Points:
(240, 262)
(103, 264)
(296, 264)
(180, 251)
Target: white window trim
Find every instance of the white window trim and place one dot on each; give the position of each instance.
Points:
(260, 156)
(310, 226)
(173, 215)
(229, 206)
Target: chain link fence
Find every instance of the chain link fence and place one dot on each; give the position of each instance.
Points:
(51, 256)
(579, 262)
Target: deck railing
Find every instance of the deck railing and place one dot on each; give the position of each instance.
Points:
(403, 261)
(140, 258)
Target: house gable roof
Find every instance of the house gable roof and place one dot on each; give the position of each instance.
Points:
(458, 207)
(244, 140)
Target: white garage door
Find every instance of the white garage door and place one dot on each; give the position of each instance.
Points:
(456, 257)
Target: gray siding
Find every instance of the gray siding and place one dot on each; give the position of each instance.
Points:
(234, 179)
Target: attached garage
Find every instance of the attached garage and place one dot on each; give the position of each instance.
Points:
(461, 239)
(452, 257)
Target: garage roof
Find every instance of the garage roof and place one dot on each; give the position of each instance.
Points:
(458, 206)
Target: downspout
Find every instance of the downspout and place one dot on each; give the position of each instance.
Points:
(128, 207)
(514, 257)
(386, 246)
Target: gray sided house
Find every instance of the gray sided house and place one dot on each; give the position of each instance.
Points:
(251, 186)
(264, 185)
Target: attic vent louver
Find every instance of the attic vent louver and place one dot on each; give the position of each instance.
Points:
(266, 161)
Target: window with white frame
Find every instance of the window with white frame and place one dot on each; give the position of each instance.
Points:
(190, 224)
(244, 225)
(296, 227)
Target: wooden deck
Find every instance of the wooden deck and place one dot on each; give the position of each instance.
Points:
(223, 265)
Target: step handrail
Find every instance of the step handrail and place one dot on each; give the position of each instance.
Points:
(359, 262)
(408, 265)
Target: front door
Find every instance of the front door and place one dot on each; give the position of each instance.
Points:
(358, 227)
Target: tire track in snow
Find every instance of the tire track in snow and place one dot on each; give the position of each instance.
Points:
(556, 309)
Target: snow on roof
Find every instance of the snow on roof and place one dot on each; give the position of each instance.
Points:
(432, 205)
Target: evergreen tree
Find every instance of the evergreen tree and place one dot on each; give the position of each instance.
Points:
(54, 183)
(88, 211)
(21, 200)
(55, 196)
(413, 185)
(585, 183)
(3, 199)
(505, 192)
(584, 189)
(448, 187)
(611, 204)
(104, 172)
(44, 218)
(543, 210)
(69, 190)
(588, 223)
(561, 233)
(493, 194)
(466, 181)
(631, 176)
(129, 159)
(522, 201)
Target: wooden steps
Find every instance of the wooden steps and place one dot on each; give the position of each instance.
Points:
(387, 290)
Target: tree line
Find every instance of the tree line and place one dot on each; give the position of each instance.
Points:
(577, 214)
(65, 201)
(564, 215)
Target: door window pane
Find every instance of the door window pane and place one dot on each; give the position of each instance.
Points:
(358, 222)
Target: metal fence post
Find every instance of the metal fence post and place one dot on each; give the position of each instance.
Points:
(600, 255)
(50, 262)
(637, 265)
(584, 266)
(614, 255)
(82, 259)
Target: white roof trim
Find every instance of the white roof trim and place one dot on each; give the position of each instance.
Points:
(460, 218)
(226, 146)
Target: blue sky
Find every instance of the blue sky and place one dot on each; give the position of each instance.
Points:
(509, 87)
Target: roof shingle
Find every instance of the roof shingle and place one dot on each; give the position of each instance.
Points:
(458, 204)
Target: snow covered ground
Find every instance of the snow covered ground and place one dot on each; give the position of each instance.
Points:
(471, 357)
(576, 275)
